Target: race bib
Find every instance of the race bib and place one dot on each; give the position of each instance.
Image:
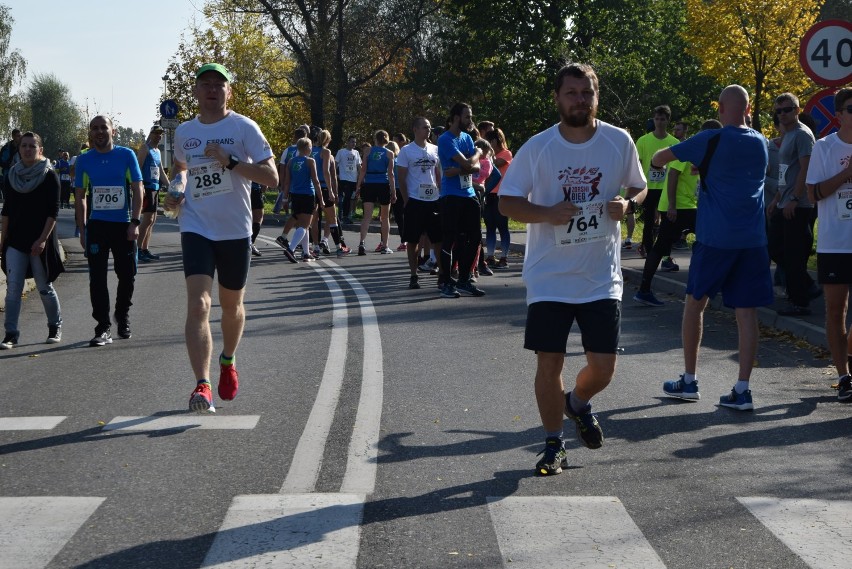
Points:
(155, 173)
(782, 175)
(656, 176)
(844, 205)
(107, 198)
(427, 192)
(209, 179)
(587, 226)
(65, 177)
(349, 168)
(465, 181)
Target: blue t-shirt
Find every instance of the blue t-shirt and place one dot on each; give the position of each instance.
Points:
(63, 167)
(316, 154)
(151, 169)
(105, 175)
(377, 166)
(730, 212)
(448, 147)
(300, 176)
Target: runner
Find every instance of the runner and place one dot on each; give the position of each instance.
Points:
(328, 185)
(281, 202)
(112, 176)
(302, 190)
(217, 156)
(565, 183)
(153, 178)
(375, 185)
(419, 180)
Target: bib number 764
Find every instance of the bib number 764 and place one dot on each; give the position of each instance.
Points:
(581, 224)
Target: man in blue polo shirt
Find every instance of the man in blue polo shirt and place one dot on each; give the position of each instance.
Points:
(460, 209)
(112, 175)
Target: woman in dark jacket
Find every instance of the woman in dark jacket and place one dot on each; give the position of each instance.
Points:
(28, 241)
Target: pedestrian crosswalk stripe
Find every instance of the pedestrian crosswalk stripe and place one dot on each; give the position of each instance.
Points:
(293, 530)
(34, 529)
(602, 534)
(181, 422)
(30, 423)
(818, 531)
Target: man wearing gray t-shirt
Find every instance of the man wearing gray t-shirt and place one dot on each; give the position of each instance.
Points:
(791, 214)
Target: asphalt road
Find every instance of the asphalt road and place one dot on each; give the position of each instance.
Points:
(382, 427)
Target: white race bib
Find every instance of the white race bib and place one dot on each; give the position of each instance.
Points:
(466, 181)
(427, 192)
(782, 175)
(209, 179)
(350, 168)
(656, 176)
(64, 177)
(844, 205)
(588, 225)
(155, 173)
(107, 198)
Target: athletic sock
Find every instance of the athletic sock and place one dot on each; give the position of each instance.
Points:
(577, 404)
(335, 234)
(741, 386)
(200, 381)
(255, 229)
(689, 377)
(225, 360)
(298, 235)
(553, 434)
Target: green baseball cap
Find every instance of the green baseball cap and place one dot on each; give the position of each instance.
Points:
(220, 69)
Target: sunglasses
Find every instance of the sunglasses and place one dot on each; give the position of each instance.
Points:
(785, 110)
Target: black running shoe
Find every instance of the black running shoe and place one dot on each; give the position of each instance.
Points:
(555, 458)
(124, 328)
(588, 429)
(290, 255)
(362, 250)
(844, 389)
(412, 283)
(467, 287)
(101, 339)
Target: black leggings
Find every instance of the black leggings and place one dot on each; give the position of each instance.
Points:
(461, 234)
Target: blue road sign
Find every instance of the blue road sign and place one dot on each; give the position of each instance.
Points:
(821, 108)
(169, 109)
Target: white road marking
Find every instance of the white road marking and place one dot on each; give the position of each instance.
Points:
(29, 423)
(602, 536)
(183, 421)
(34, 529)
(307, 458)
(296, 530)
(818, 531)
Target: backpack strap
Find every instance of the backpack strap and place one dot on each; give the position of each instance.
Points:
(704, 167)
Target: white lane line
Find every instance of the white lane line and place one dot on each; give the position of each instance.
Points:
(30, 423)
(307, 458)
(818, 531)
(34, 529)
(602, 534)
(287, 531)
(361, 464)
(183, 421)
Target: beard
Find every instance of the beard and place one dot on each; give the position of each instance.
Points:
(573, 119)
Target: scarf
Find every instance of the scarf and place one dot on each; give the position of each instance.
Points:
(25, 179)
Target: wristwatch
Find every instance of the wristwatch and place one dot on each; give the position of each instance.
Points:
(135, 221)
(631, 205)
(232, 162)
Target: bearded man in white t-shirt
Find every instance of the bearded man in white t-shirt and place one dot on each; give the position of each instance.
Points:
(564, 183)
(218, 155)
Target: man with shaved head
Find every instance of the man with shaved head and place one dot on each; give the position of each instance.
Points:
(730, 254)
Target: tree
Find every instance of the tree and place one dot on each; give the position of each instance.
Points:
(12, 70)
(126, 136)
(54, 115)
(259, 68)
(340, 47)
(754, 44)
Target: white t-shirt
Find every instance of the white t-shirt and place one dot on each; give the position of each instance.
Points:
(579, 262)
(830, 156)
(348, 164)
(420, 178)
(218, 200)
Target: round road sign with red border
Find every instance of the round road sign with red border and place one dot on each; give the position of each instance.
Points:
(825, 53)
(821, 108)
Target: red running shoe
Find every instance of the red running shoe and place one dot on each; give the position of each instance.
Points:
(380, 248)
(201, 400)
(402, 247)
(229, 382)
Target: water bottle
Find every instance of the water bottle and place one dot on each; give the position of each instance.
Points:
(176, 189)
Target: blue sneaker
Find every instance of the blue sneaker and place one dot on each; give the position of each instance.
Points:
(588, 429)
(669, 266)
(682, 390)
(844, 389)
(738, 401)
(648, 299)
(555, 458)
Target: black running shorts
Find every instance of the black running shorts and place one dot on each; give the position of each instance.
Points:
(150, 201)
(548, 325)
(230, 259)
(422, 217)
(376, 193)
(302, 204)
(834, 268)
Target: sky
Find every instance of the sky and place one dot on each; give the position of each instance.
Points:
(112, 54)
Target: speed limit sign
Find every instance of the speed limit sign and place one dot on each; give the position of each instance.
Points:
(825, 53)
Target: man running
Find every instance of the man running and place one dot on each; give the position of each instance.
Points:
(112, 175)
(572, 269)
(218, 155)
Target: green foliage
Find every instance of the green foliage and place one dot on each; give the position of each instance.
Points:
(54, 115)
(126, 136)
(12, 71)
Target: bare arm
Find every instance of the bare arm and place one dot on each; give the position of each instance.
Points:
(671, 193)
(403, 183)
